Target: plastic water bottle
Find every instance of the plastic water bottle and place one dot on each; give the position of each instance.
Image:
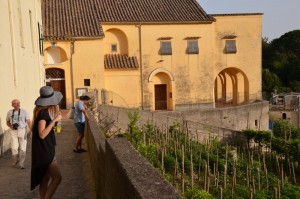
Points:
(58, 127)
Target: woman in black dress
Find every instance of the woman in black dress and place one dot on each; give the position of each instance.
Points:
(45, 171)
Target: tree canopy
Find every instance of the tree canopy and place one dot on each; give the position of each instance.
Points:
(281, 63)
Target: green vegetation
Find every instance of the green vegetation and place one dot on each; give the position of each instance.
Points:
(267, 166)
(281, 64)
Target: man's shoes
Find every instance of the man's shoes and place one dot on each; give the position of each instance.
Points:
(15, 163)
(77, 151)
(22, 167)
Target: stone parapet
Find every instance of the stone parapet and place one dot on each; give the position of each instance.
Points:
(120, 171)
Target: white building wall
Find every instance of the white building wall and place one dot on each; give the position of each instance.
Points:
(21, 64)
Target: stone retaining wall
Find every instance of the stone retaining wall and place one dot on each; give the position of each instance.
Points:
(120, 171)
(224, 124)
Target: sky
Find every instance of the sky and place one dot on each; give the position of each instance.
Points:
(279, 16)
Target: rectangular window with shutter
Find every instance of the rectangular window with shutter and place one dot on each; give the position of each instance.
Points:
(165, 48)
(230, 46)
(193, 47)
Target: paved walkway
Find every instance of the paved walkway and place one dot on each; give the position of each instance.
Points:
(77, 180)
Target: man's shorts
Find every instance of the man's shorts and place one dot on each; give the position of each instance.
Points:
(80, 127)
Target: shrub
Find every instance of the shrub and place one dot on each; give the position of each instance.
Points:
(290, 191)
(197, 194)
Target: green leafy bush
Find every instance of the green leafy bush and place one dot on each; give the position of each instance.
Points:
(169, 163)
(290, 192)
(197, 194)
(149, 152)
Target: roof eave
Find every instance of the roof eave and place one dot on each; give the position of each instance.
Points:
(154, 23)
(53, 38)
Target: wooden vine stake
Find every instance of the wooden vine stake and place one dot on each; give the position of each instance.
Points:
(208, 177)
(215, 175)
(293, 170)
(218, 179)
(258, 177)
(279, 188)
(176, 161)
(277, 164)
(192, 168)
(275, 193)
(290, 167)
(247, 176)
(234, 173)
(205, 175)
(182, 169)
(162, 160)
(221, 193)
(266, 172)
(282, 176)
(253, 184)
(199, 165)
(208, 170)
(233, 179)
(225, 167)
(144, 137)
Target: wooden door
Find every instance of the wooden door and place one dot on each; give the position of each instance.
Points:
(59, 85)
(161, 97)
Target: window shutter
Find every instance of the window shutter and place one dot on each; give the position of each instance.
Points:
(165, 48)
(230, 46)
(193, 47)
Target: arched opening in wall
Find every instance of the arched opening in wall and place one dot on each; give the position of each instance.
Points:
(231, 88)
(284, 116)
(55, 77)
(115, 42)
(162, 89)
(55, 55)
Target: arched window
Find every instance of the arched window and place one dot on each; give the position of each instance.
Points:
(284, 116)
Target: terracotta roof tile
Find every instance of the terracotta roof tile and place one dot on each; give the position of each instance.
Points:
(151, 11)
(83, 18)
(165, 38)
(70, 18)
(193, 37)
(117, 61)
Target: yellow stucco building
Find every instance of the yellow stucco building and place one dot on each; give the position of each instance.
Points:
(22, 72)
(153, 55)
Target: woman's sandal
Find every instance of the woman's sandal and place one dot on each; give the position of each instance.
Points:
(76, 151)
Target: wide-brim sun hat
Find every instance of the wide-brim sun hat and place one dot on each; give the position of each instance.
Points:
(48, 97)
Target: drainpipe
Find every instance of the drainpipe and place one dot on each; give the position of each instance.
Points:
(72, 73)
(141, 64)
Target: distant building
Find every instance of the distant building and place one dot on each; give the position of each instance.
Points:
(22, 72)
(153, 55)
(285, 106)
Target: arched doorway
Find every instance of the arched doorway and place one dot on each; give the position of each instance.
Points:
(162, 89)
(231, 88)
(55, 78)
